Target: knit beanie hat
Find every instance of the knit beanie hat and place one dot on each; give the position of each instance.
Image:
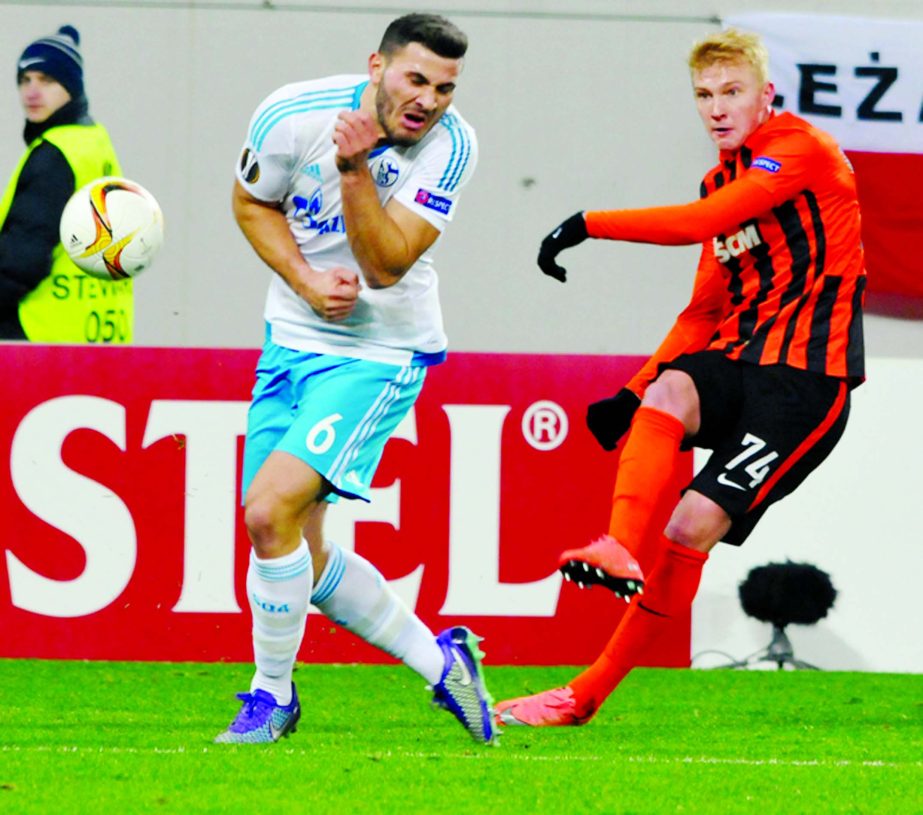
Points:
(59, 57)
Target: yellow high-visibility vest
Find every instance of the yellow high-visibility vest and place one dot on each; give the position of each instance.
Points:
(69, 306)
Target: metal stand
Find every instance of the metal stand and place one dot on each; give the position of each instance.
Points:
(779, 651)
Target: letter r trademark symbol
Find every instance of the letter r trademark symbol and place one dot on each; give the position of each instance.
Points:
(544, 425)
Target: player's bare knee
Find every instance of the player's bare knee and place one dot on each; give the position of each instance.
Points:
(697, 522)
(674, 392)
(685, 534)
(264, 521)
(657, 395)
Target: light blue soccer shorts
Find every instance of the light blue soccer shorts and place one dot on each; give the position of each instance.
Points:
(334, 413)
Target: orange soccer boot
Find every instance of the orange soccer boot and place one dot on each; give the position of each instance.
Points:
(605, 562)
(550, 708)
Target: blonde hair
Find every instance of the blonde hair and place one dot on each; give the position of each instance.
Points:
(731, 45)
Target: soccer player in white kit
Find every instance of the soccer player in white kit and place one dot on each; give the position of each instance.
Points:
(343, 186)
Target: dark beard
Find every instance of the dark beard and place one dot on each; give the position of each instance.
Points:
(383, 108)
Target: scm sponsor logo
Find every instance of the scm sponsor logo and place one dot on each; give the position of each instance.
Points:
(737, 244)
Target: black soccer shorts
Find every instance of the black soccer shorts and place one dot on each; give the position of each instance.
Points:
(768, 426)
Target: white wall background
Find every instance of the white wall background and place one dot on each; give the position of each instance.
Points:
(854, 518)
(588, 108)
(584, 108)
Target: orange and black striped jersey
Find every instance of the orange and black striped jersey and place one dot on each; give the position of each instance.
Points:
(781, 277)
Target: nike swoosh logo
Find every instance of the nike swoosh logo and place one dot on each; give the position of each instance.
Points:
(275, 732)
(25, 63)
(723, 479)
(466, 674)
(556, 233)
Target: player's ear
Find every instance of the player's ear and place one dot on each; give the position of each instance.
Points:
(376, 67)
(769, 93)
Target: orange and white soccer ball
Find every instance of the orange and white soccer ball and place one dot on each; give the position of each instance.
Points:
(112, 228)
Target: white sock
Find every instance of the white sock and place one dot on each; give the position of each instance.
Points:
(353, 593)
(278, 591)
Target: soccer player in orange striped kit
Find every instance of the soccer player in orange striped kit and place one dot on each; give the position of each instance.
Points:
(758, 368)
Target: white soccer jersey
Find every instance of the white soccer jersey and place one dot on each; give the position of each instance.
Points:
(288, 158)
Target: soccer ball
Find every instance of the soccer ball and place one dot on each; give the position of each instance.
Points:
(112, 228)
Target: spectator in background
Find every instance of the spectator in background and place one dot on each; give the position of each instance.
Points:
(44, 297)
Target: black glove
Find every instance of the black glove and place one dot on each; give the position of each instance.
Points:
(610, 418)
(569, 233)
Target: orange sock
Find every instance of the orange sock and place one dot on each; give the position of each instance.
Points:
(644, 496)
(668, 592)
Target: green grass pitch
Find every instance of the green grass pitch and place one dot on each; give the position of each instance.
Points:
(100, 737)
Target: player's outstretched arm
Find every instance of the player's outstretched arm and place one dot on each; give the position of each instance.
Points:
(678, 225)
(684, 224)
(332, 294)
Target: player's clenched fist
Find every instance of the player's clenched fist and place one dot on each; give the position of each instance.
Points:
(333, 294)
(355, 135)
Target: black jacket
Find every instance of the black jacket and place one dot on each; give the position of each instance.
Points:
(30, 231)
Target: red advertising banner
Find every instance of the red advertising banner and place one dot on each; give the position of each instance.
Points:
(119, 489)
